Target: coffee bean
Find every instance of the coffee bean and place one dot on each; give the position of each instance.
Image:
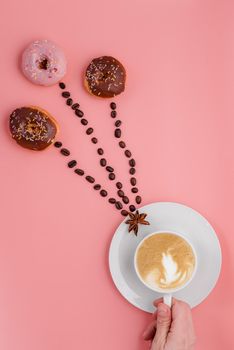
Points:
(119, 185)
(133, 181)
(103, 193)
(79, 113)
(66, 94)
(117, 133)
(113, 105)
(111, 176)
(122, 144)
(69, 101)
(120, 193)
(62, 85)
(125, 199)
(110, 169)
(132, 162)
(132, 208)
(118, 205)
(138, 199)
(65, 152)
(84, 121)
(113, 114)
(132, 171)
(134, 190)
(103, 162)
(94, 140)
(124, 212)
(75, 105)
(112, 200)
(100, 151)
(90, 179)
(97, 187)
(79, 172)
(72, 163)
(118, 123)
(128, 153)
(58, 144)
(89, 131)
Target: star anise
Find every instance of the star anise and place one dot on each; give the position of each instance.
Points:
(135, 220)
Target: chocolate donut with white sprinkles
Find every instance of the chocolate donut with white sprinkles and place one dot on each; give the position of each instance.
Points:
(105, 77)
(33, 128)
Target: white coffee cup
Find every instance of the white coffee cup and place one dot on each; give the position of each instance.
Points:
(167, 294)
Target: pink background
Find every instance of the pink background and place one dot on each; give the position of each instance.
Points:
(56, 292)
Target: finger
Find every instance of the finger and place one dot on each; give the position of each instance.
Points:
(154, 315)
(174, 301)
(163, 324)
(150, 331)
(180, 309)
(158, 301)
(182, 329)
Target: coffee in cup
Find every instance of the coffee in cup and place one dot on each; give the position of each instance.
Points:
(165, 261)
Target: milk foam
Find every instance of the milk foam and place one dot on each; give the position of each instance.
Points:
(171, 273)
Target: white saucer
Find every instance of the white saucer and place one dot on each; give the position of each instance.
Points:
(174, 217)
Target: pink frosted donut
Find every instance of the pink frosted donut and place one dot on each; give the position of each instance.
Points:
(43, 63)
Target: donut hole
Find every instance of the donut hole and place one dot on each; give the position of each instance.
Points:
(103, 76)
(43, 63)
(32, 128)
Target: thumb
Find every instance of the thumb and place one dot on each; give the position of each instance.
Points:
(163, 326)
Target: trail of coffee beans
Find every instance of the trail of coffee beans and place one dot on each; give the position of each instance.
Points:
(103, 162)
(127, 152)
(73, 163)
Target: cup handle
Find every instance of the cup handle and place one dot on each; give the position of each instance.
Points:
(167, 299)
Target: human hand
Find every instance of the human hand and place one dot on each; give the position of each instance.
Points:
(171, 329)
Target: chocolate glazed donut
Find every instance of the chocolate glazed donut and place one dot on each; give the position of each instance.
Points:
(105, 77)
(33, 128)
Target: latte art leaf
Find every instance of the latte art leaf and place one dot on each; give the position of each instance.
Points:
(171, 272)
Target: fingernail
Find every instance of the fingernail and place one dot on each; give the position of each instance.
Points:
(162, 310)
